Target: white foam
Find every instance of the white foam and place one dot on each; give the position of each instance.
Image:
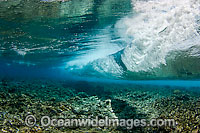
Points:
(158, 26)
(101, 46)
(107, 65)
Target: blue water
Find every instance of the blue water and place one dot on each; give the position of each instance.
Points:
(56, 33)
(143, 56)
(78, 39)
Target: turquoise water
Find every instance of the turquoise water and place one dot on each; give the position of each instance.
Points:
(94, 38)
(51, 33)
(144, 56)
(89, 40)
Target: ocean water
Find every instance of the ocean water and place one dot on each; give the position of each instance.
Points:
(143, 55)
(109, 39)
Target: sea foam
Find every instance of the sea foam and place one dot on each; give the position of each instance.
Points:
(155, 30)
(159, 26)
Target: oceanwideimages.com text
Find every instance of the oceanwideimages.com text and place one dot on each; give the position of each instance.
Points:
(46, 121)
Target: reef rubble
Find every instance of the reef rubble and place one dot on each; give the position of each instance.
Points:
(67, 101)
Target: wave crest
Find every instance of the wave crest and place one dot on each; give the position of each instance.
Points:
(158, 30)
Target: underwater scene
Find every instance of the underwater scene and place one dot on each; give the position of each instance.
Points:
(92, 66)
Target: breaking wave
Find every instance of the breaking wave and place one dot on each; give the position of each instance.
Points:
(161, 39)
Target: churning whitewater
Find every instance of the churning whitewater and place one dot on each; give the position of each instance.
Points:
(138, 39)
(159, 34)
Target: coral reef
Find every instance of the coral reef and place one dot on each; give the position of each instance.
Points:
(64, 101)
(16, 104)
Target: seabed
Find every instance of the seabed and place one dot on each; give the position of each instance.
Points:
(81, 99)
(138, 49)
